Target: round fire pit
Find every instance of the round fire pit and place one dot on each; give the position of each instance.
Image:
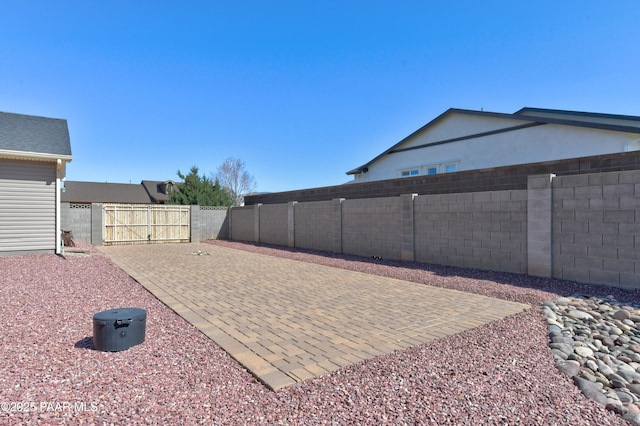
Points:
(118, 329)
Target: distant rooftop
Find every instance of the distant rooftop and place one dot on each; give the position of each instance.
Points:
(146, 192)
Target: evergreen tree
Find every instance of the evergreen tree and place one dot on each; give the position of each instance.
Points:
(198, 190)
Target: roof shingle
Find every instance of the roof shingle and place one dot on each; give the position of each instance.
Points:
(32, 134)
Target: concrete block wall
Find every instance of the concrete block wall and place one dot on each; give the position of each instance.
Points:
(482, 180)
(579, 227)
(97, 224)
(372, 227)
(77, 219)
(318, 225)
(596, 228)
(274, 224)
(84, 220)
(214, 223)
(195, 227)
(539, 220)
(485, 230)
(242, 223)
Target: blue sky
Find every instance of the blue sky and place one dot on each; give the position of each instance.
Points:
(300, 91)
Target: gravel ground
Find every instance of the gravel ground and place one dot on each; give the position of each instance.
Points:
(500, 373)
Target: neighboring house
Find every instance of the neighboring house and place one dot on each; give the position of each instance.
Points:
(459, 140)
(34, 152)
(147, 192)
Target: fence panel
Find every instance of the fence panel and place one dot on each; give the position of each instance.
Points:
(145, 223)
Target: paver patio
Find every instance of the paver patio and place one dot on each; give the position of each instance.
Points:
(288, 321)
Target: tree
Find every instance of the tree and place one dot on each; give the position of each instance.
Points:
(235, 180)
(196, 190)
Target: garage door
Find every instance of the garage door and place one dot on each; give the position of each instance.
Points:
(27, 206)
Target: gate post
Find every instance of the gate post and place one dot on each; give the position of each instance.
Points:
(97, 224)
(149, 220)
(194, 223)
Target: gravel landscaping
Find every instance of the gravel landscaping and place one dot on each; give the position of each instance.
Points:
(501, 373)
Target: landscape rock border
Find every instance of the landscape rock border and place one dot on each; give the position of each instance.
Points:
(596, 342)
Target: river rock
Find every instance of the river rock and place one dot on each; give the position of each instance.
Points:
(569, 368)
(583, 351)
(622, 314)
(579, 315)
(624, 396)
(596, 342)
(590, 389)
(562, 347)
(604, 368)
(634, 388)
(563, 339)
(615, 405)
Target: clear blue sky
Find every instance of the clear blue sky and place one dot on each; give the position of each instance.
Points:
(300, 91)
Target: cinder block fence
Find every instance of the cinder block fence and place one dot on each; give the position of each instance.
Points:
(582, 227)
(87, 223)
(579, 227)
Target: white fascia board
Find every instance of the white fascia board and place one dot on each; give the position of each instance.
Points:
(34, 156)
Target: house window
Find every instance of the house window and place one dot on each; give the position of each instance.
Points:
(633, 146)
(411, 172)
(449, 168)
(432, 170)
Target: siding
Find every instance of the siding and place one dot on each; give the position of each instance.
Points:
(27, 206)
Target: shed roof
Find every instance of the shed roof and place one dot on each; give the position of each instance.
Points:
(34, 136)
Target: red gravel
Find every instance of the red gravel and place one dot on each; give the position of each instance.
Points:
(501, 373)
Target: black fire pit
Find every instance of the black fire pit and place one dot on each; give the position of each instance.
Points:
(119, 329)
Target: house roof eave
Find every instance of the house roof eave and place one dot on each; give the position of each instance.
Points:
(515, 116)
(34, 156)
(523, 111)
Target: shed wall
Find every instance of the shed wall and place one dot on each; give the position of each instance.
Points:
(27, 206)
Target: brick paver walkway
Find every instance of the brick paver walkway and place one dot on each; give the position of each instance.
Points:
(287, 321)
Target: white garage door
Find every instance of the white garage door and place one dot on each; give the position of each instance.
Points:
(27, 206)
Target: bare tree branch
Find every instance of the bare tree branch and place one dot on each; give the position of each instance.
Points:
(235, 180)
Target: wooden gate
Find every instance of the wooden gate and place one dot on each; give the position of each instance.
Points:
(145, 224)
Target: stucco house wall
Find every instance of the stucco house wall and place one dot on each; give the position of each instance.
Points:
(461, 140)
